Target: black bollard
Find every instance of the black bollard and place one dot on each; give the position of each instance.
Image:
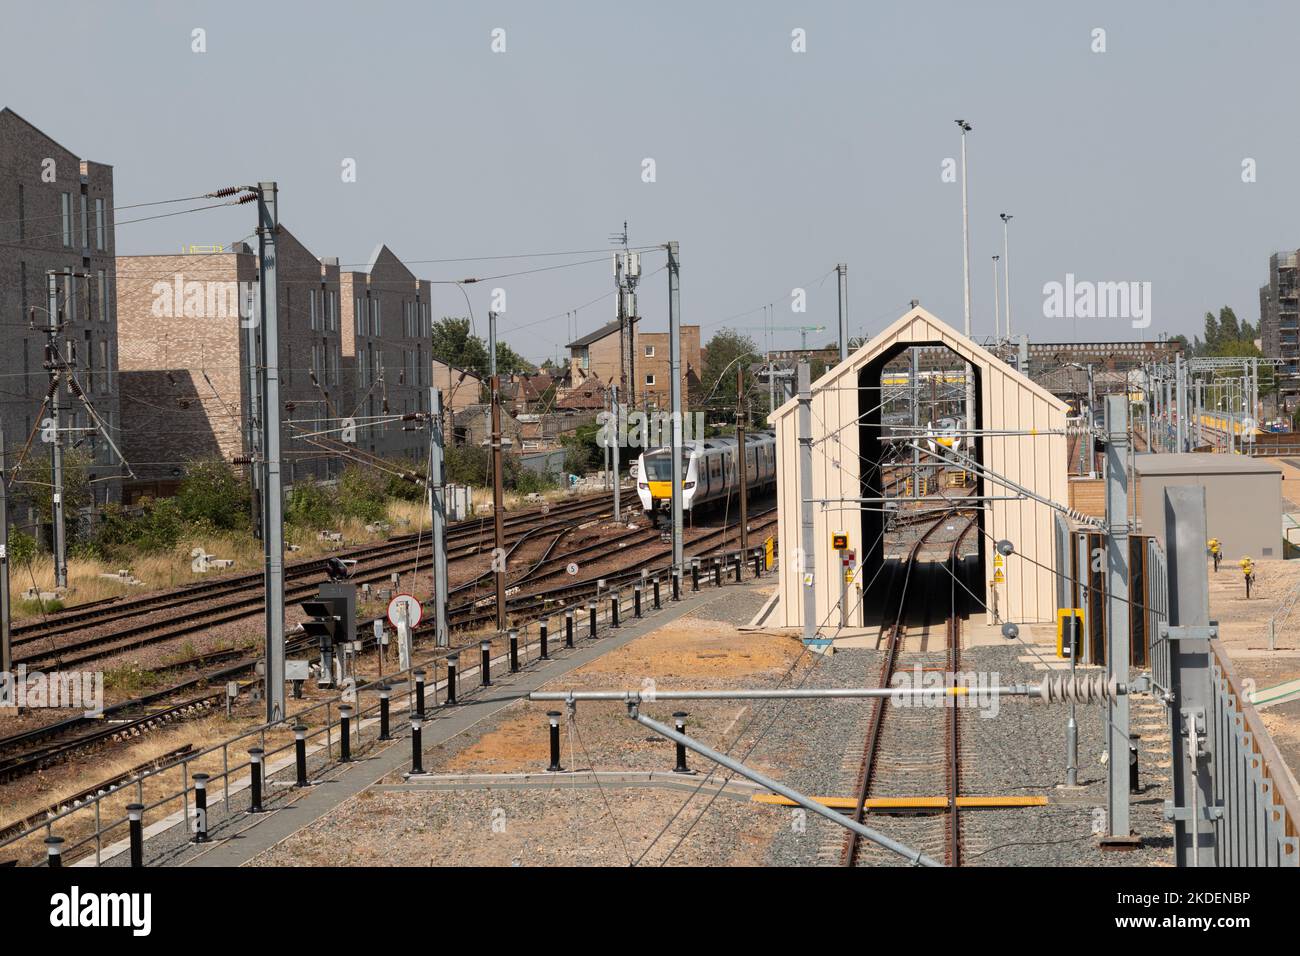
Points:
(453, 662)
(658, 605)
(345, 733)
(255, 779)
(679, 719)
(384, 694)
(568, 628)
(200, 808)
(613, 610)
(485, 662)
(740, 564)
(717, 572)
(636, 600)
(1134, 783)
(758, 563)
(54, 852)
(677, 584)
(300, 752)
(591, 618)
(417, 748)
(695, 574)
(514, 650)
(554, 717)
(419, 675)
(135, 824)
(541, 640)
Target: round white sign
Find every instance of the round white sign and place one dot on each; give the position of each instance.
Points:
(572, 568)
(404, 609)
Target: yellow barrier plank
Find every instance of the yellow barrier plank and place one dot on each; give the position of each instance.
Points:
(908, 803)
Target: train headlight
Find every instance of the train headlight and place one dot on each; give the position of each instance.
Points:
(689, 485)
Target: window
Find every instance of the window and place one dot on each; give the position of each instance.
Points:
(102, 282)
(85, 222)
(22, 215)
(649, 379)
(376, 317)
(103, 362)
(65, 212)
(649, 351)
(69, 296)
(100, 225)
(90, 362)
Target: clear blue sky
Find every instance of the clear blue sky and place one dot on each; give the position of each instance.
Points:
(771, 165)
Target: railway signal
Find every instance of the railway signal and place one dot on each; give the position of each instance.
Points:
(332, 621)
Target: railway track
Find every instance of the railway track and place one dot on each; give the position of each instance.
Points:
(45, 745)
(471, 533)
(908, 751)
(238, 598)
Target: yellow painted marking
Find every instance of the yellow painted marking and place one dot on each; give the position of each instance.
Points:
(660, 489)
(906, 803)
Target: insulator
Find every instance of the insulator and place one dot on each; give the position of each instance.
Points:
(223, 193)
(247, 197)
(1081, 689)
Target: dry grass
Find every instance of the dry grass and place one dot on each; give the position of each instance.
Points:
(173, 568)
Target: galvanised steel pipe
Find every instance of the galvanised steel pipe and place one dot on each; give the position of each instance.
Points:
(916, 857)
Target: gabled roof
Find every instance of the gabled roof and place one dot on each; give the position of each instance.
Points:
(918, 325)
(608, 329)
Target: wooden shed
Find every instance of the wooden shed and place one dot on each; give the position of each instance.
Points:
(1021, 449)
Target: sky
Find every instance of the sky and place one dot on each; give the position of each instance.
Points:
(1122, 164)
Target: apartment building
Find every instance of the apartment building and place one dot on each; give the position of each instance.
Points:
(56, 217)
(387, 355)
(1279, 323)
(188, 324)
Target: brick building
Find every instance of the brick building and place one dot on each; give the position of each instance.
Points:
(595, 358)
(56, 215)
(386, 354)
(184, 323)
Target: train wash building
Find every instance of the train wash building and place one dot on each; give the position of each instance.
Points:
(847, 445)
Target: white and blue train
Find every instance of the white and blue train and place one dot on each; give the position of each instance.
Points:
(712, 472)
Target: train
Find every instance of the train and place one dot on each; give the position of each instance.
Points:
(712, 472)
(946, 432)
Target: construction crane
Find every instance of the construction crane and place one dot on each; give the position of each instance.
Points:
(803, 331)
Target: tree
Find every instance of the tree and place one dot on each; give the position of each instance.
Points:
(454, 344)
(727, 350)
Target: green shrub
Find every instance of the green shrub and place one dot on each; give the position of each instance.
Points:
(311, 505)
(362, 494)
(213, 497)
(22, 547)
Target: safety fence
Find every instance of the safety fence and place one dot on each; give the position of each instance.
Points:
(182, 794)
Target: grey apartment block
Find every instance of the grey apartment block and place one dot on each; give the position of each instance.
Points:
(1279, 322)
(56, 215)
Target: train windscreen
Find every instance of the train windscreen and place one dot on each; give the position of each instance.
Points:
(660, 467)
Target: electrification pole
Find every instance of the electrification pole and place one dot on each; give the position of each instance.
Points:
(675, 393)
(6, 637)
(1006, 268)
(807, 547)
(268, 228)
(498, 488)
(1117, 615)
(743, 472)
(965, 278)
(843, 269)
(618, 420)
(438, 509)
(54, 359)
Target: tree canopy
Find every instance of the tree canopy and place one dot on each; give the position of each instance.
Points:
(455, 343)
